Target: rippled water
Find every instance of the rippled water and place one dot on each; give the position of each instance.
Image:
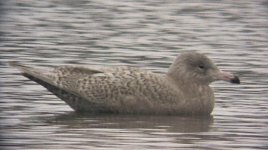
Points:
(147, 34)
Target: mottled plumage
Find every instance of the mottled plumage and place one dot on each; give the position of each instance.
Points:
(183, 90)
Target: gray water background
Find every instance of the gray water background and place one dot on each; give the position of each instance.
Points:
(147, 34)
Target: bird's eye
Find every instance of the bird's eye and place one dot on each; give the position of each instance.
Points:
(201, 66)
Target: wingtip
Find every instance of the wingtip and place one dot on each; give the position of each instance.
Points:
(14, 64)
(18, 66)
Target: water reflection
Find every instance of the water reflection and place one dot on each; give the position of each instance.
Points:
(172, 124)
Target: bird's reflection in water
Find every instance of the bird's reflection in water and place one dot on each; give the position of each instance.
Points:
(171, 124)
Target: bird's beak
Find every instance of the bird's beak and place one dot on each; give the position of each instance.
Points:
(226, 76)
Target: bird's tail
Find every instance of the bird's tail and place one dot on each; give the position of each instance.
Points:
(32, 73)
(44, 78)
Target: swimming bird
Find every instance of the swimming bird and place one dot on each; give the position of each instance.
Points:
(183, 90)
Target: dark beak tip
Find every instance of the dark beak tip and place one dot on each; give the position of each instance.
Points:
(235, 80)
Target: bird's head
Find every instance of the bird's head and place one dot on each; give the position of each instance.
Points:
(198, 68)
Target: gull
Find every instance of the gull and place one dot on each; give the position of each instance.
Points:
(183, 90)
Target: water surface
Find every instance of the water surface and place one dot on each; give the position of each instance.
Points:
(147, 34)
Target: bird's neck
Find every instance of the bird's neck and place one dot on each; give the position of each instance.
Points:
(198, 96)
